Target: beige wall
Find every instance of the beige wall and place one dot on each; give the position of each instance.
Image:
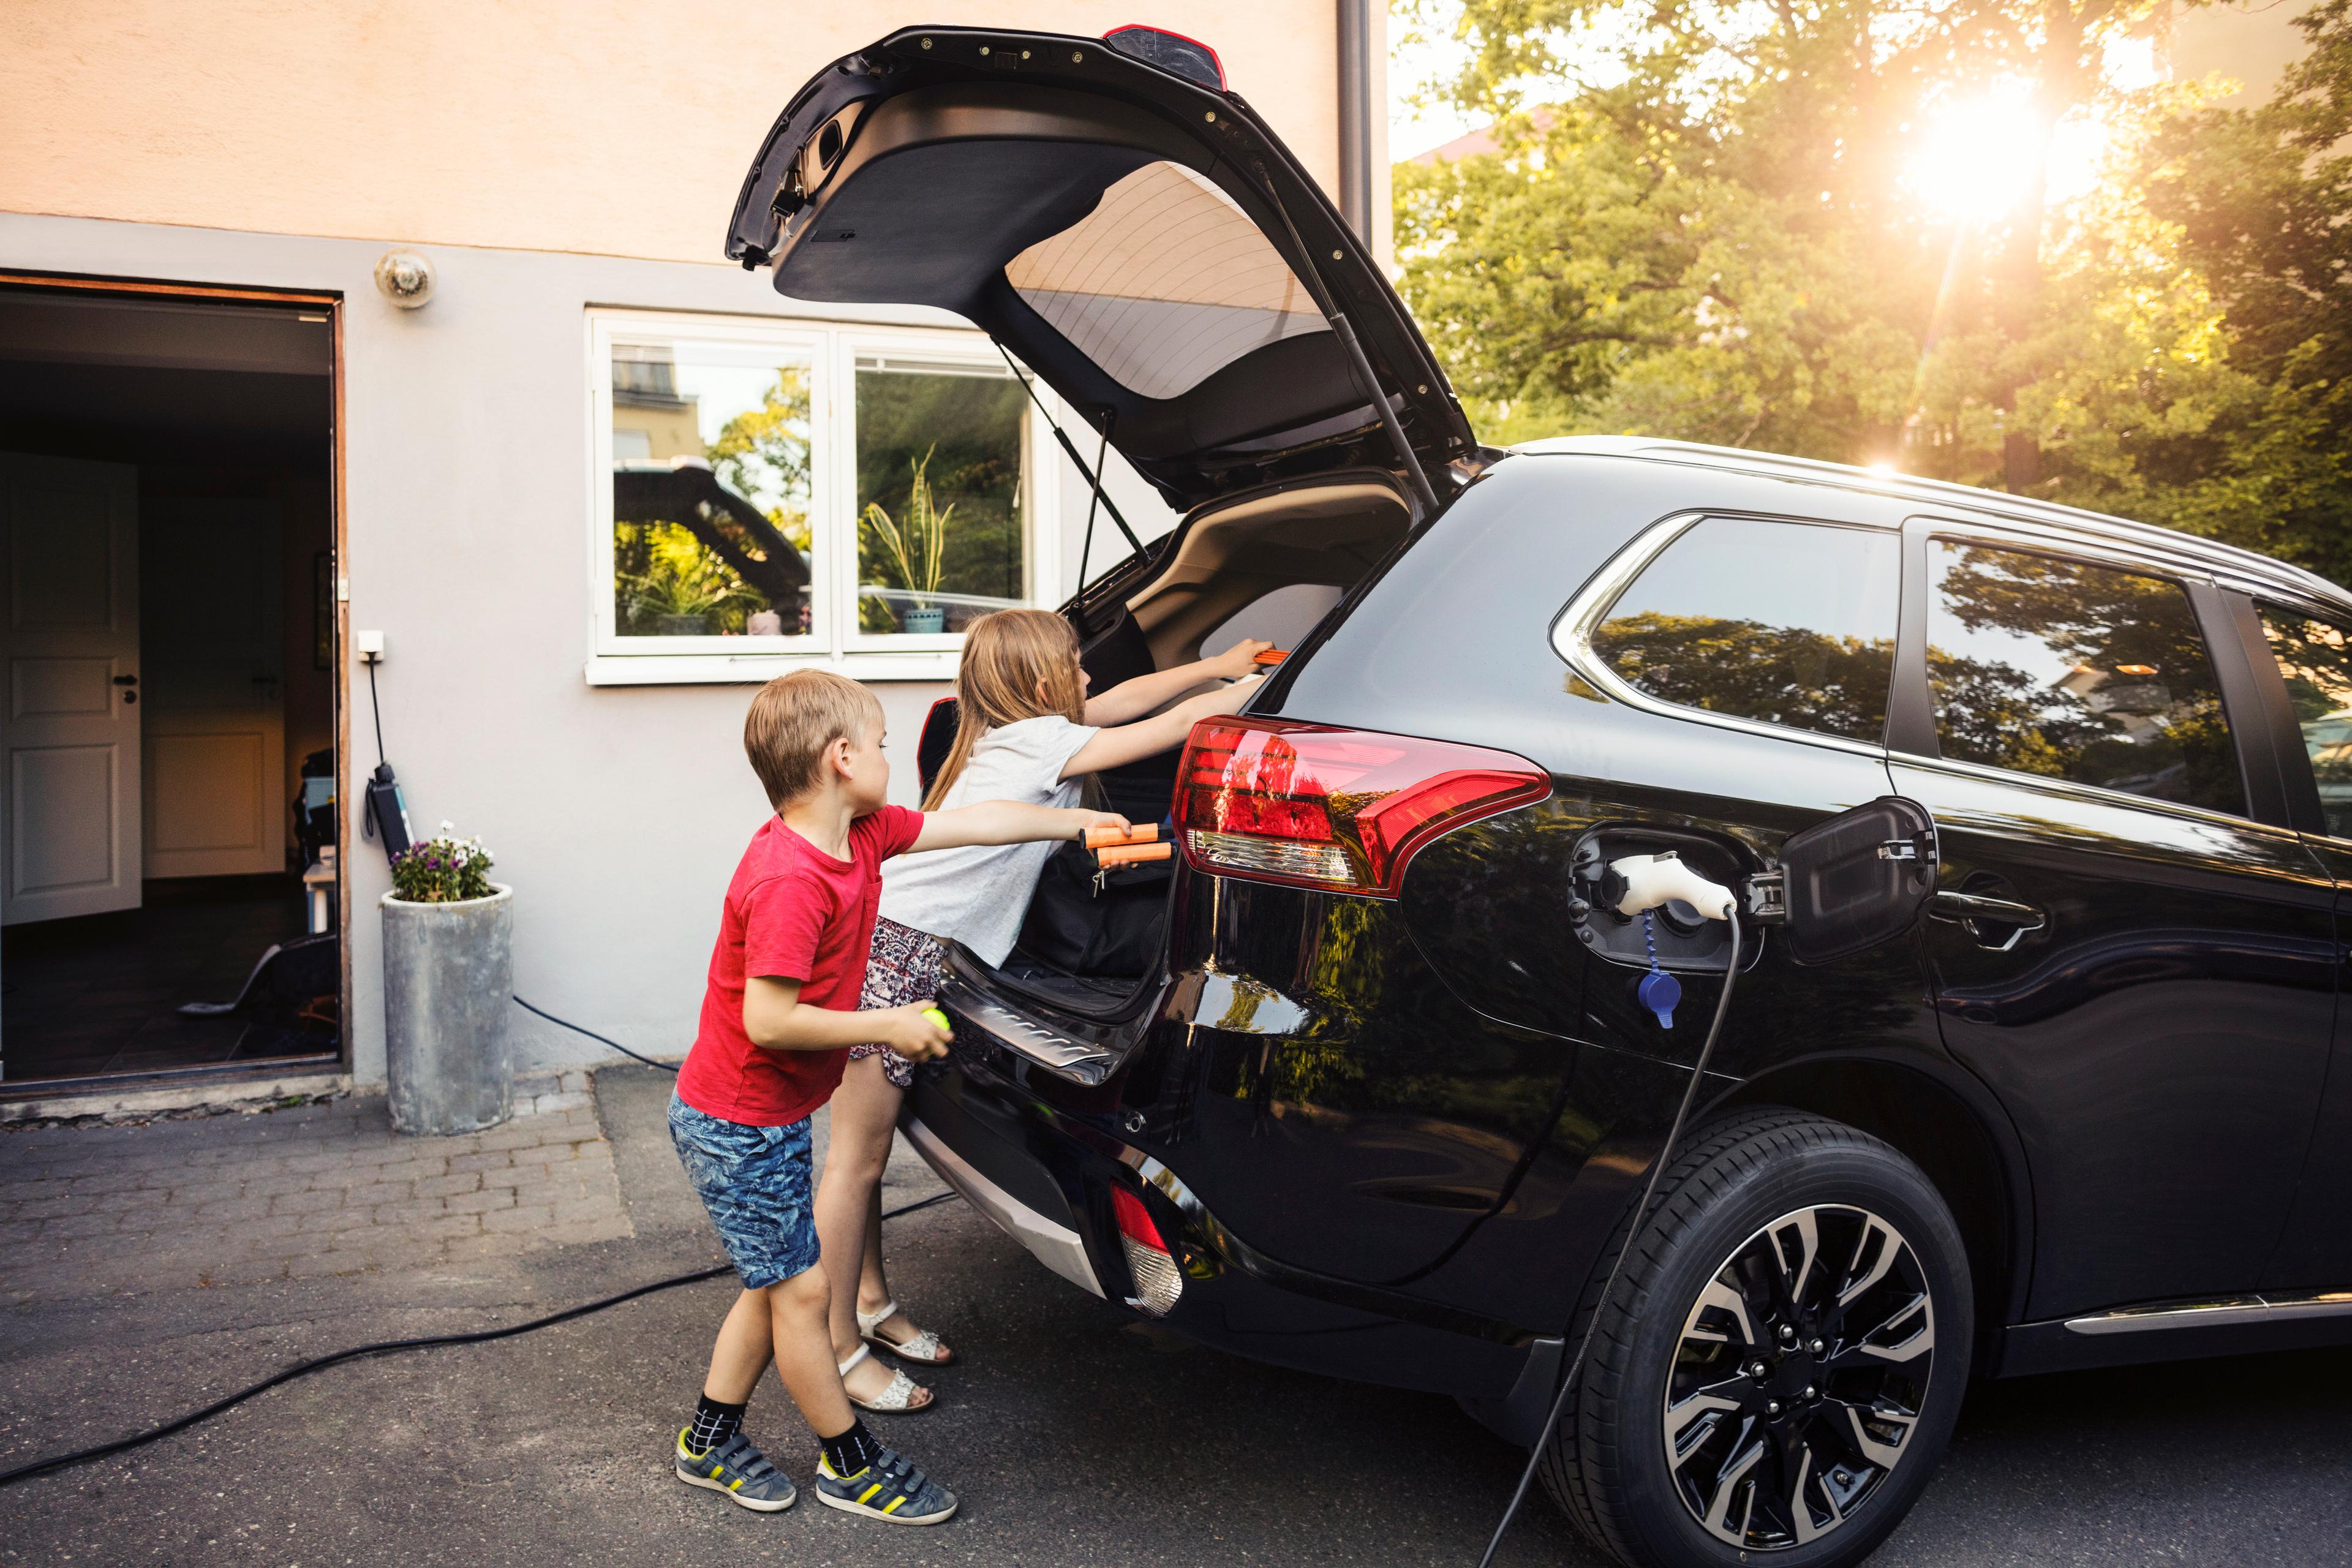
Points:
(2249, 41)
(598, 126)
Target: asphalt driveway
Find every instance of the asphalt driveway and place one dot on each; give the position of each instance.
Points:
(1073, 1437)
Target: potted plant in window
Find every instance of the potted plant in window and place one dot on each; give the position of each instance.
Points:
(914, 552)
(449, 976)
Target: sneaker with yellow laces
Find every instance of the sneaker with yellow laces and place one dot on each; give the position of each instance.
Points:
(891, 1489)
(740, 1470)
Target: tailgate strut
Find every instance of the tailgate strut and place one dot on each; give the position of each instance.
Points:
(1345, 331)
(1094, 475)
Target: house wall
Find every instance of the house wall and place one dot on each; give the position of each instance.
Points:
(2249, 42)
(616, 812)
(601, 126)
(546, 157)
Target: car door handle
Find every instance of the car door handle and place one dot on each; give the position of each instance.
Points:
(1975, 912)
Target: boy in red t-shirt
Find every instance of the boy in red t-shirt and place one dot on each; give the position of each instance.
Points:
(779, 1016)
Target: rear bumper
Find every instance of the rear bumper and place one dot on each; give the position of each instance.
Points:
(1052, 1243)
(1043, 1174)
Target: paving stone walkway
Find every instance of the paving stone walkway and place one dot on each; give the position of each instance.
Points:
(315, 1190)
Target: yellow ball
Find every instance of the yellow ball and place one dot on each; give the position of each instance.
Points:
(936, 1016)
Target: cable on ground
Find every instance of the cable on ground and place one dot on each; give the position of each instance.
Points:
(568, 1024)
(387, 1347)
(1641, 1213)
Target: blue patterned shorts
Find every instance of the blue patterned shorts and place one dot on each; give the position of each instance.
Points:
(754, 1181)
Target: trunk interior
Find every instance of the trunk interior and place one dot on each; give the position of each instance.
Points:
(1270, 566)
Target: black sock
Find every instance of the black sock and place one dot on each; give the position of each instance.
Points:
(713, 1423)
(852, 1451)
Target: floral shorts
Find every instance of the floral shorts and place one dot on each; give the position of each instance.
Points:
(902, 966)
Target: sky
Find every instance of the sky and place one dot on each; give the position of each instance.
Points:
(1413, 130)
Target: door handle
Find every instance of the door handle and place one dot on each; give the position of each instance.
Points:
(126, 680)
(1974, 911)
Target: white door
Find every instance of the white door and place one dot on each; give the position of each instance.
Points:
(216, 737)
(69, 777)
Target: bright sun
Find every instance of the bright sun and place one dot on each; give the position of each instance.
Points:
(1974, 157)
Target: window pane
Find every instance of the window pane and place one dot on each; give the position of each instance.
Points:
(1779, 622)
(1164, 283)
(2317, 659)
(2076, 672)
(710, 492)
(939, 538)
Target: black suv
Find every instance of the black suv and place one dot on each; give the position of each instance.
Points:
(2038, 820)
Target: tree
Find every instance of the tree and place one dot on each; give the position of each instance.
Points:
(1706, 221)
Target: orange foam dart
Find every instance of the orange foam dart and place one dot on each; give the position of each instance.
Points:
(1273, 656)
(1132, 854)
(1097, 838)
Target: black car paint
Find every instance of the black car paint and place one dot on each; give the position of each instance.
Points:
(1030, 127)
(1411, 1126)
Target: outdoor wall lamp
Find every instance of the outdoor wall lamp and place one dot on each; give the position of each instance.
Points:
(405, 278)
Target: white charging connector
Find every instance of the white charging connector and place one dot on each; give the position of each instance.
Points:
(1652, 879)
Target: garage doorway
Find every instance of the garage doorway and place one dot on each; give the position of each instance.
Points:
(170, 690)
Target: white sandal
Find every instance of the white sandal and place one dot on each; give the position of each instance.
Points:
(923, 1349)
(895, 1400)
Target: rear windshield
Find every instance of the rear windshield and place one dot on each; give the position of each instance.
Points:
(1165, 283)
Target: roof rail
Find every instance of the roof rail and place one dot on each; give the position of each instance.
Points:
(1887, 482)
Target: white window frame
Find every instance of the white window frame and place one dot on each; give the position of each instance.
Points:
(834, 643)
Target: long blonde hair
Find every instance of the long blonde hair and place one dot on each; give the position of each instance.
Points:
(1007, 657)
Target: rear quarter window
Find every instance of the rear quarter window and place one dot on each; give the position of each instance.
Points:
(1782, 623)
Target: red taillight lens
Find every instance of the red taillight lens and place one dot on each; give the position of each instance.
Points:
(1135, 1220)
(1280, 801)
(1157, 1281)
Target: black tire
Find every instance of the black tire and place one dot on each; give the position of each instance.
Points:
(1608, 1464)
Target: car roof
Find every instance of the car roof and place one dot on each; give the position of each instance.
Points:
(2188, 548)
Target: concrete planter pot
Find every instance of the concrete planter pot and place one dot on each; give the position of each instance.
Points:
(449, 985)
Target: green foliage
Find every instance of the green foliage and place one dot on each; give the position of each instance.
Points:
(442, 870)
(764, 451)
(1704, 222)
(966, 431)
(910, 555)
(662, 571)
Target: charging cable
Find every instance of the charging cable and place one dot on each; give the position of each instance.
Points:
(568, 1024)
(1684, 884)
(388, 1347)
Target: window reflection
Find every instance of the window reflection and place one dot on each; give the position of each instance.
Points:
(1782, 623)
(710, 492)
(2315, 658)
(939, 527)
(2075, 671)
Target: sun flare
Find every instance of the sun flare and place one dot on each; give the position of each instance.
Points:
(1973, 158)
(1977, 158)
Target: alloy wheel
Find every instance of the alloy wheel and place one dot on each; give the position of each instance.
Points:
(1802, 1369)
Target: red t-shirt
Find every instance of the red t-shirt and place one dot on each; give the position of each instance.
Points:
(793, 912)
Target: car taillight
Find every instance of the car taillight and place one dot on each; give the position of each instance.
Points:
(1279, 801)
(1158, 1280)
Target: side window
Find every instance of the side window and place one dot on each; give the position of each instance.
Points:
(2316, 657)
(1784, 623)
(2075, 671)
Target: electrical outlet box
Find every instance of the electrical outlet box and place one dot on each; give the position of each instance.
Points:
(369, 646)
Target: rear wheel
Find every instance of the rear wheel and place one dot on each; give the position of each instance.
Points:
(1782, 1361)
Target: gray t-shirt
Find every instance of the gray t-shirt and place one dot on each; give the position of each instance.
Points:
(978, 895)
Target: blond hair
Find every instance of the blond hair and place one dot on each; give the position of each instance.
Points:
(793, 719)
(1007, 659)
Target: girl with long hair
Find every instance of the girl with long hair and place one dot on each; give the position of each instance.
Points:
(1026, 730)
